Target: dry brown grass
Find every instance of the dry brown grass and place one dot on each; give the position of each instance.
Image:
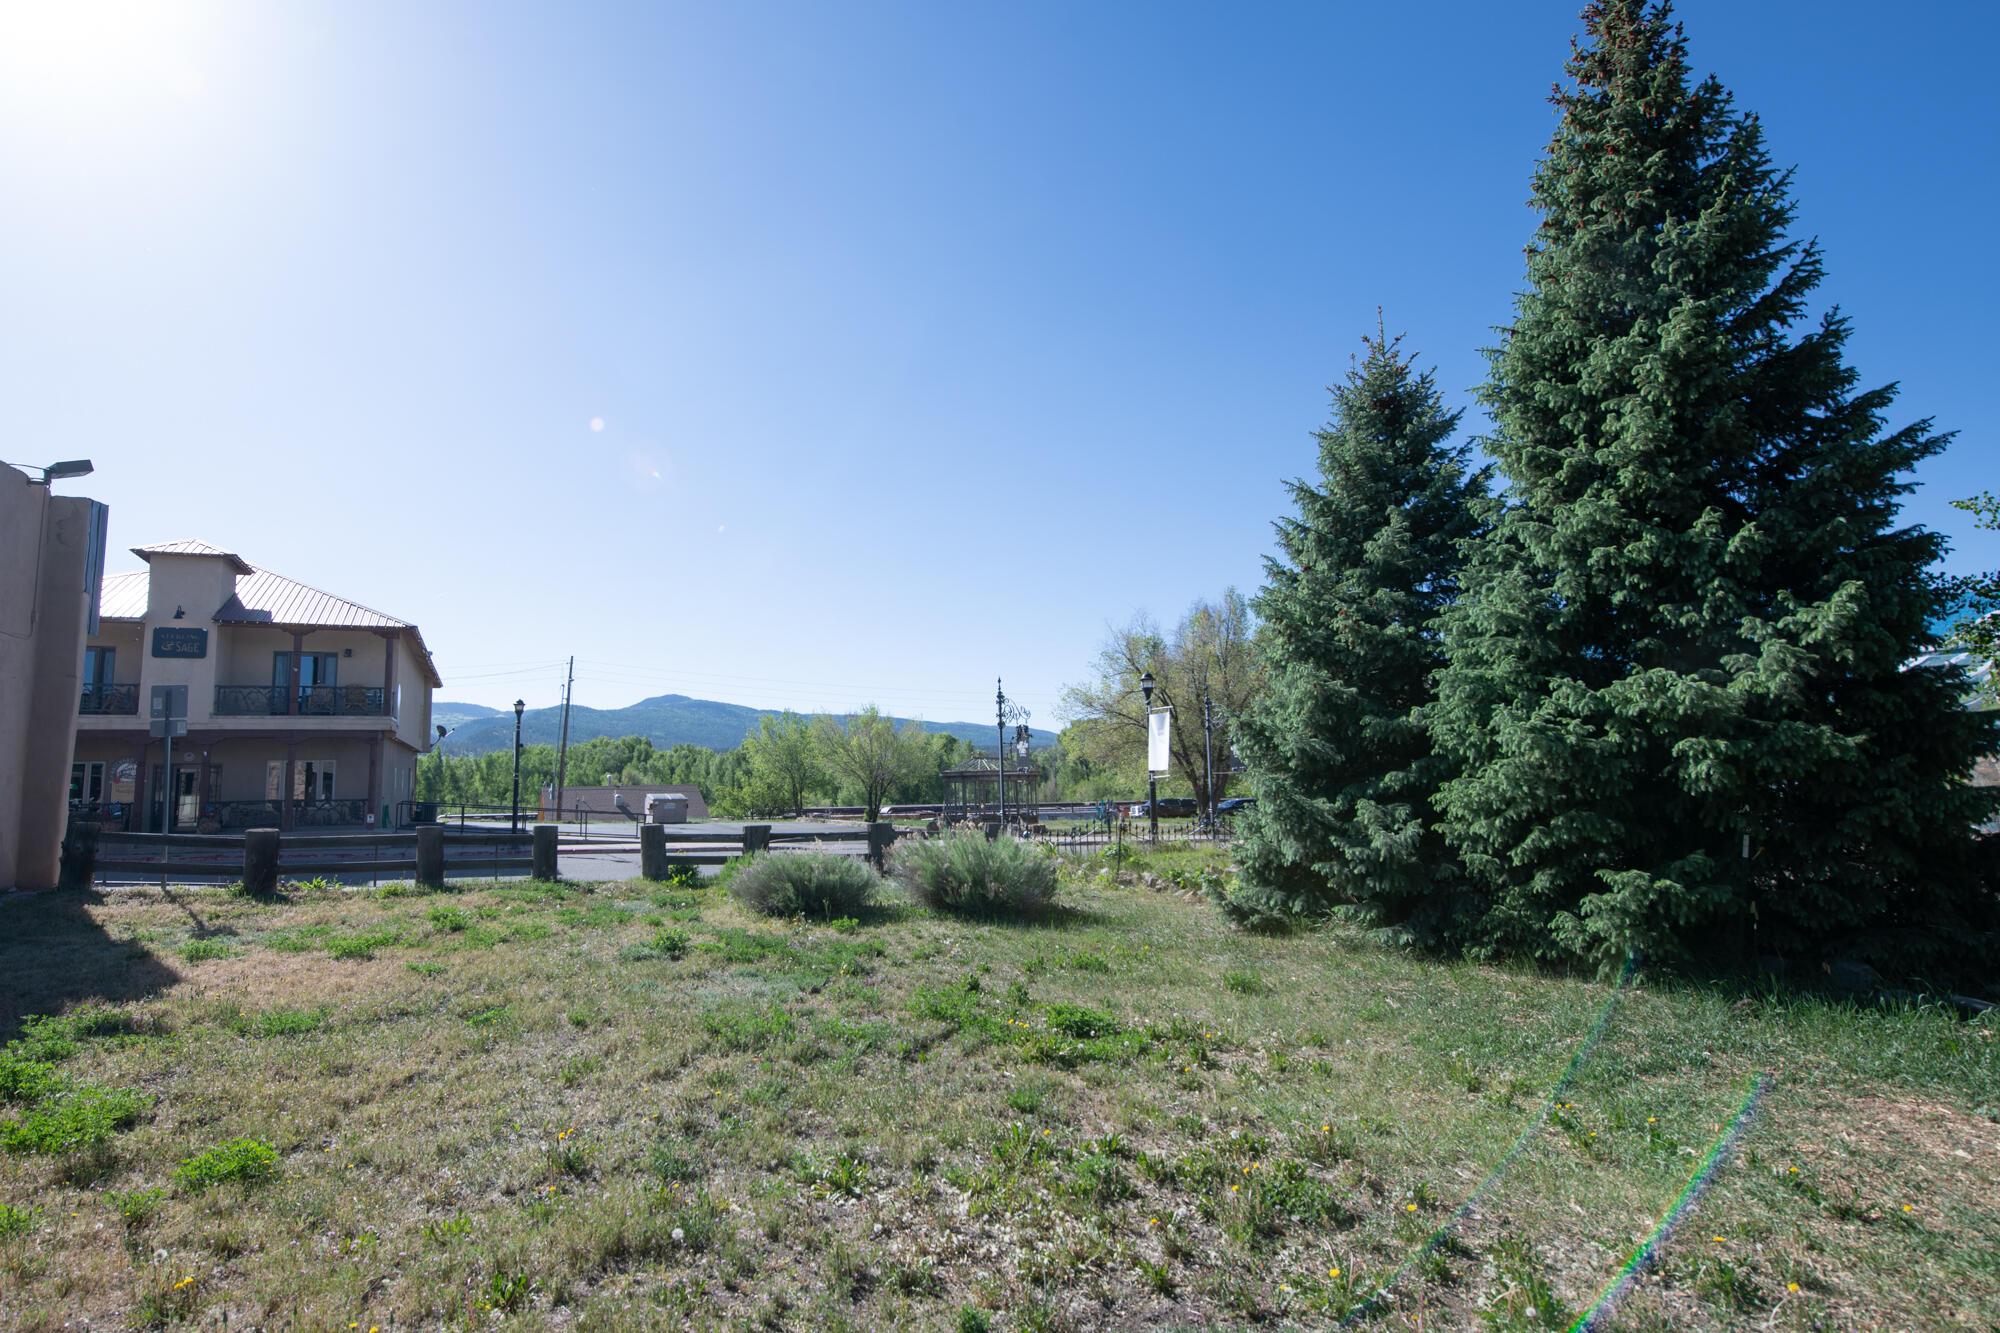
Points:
(516, 1105)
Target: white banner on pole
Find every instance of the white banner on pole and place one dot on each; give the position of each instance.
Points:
(1158, 725)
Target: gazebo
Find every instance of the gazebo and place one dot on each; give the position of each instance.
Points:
(976, 789)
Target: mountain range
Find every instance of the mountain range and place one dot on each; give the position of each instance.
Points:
(666, 720)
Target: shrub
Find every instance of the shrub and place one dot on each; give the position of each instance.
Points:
(239, 1159)
(964, 872)
(804, 884)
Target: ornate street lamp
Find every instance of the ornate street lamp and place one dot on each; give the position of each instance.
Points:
(442, 731)
(514, 823)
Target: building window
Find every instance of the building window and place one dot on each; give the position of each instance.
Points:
(314, 669)
(312, 779)
(100, 666)
(86, 782)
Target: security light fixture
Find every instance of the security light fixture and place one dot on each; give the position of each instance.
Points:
(76, 467)
(1146, 687)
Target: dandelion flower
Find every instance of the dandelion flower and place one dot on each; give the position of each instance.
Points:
(1410, 1207)
(1791, 1286)
(1333, 1272)
(1716, 1239)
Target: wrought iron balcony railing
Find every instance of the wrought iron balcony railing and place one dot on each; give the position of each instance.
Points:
(101, 698)
(314, 700)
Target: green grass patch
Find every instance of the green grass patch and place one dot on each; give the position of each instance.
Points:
(246, 1160)
(77, 1118)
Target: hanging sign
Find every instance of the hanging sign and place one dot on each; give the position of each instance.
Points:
(1159, 723)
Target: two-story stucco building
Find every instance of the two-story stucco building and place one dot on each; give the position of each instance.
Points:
(303, 709)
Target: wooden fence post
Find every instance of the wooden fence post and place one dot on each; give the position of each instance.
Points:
(756, 837)
(543, 862)
(880, 837)
(652, 852)
(260, 861)
(430, 856)
(79, 856)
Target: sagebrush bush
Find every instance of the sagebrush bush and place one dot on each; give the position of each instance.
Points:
(965, 872)
(804, 884)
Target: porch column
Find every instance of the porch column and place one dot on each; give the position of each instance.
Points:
(291, 764)
(374, 776)
(389, 674)
(144, 823)
(292, 696)
(203, 796)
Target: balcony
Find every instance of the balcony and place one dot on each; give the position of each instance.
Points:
(314, 701)
(101, 698)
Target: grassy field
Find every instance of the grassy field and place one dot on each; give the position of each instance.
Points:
(624, 1106)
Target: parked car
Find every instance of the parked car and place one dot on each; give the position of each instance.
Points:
(1235, 804)
(1171, 807)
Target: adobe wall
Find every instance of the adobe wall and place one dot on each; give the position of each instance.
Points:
(44, 609)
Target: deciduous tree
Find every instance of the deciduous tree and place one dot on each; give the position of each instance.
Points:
(1210, 648)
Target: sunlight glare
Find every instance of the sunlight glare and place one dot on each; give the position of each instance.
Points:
(92, 60)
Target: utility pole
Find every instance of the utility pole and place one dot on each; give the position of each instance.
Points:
(562, 747)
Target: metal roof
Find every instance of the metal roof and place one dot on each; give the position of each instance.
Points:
(261, 598)
(266, 598)
(190, 546)
(124, 596)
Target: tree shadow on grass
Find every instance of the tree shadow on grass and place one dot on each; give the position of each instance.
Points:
(54, 955)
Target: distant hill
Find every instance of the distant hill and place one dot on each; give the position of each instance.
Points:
(667, 720)
(457, 715)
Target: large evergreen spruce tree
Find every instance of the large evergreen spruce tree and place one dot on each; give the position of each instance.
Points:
(1338, 755)
(1675, 689)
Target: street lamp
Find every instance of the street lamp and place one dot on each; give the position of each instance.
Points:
(514, 822)
(75, 467)
(1152, 781)
(442, 731)
(1000, 743)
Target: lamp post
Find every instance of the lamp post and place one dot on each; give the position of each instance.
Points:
(1208, 754)
(442, 731)
(1152, 782)
(1000, 742)
(514, 822)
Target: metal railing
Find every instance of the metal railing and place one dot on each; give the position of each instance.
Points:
(305, 814)
(1099, 837)
(314, 700)
(101, 698)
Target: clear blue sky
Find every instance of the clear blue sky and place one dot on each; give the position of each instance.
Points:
(873, 303)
